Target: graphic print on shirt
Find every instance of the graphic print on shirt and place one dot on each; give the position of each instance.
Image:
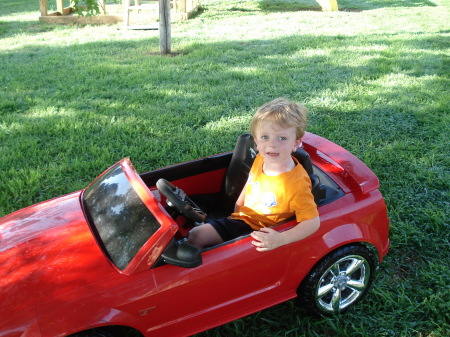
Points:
(260, 201)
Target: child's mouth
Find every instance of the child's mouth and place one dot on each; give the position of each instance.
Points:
(272, 154)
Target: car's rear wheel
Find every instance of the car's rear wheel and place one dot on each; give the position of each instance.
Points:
(339, 280)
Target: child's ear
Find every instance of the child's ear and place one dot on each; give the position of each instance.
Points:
(297, 144)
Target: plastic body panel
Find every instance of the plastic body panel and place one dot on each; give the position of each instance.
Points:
(45, 250)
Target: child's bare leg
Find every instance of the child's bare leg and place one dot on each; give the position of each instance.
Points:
(203, 236)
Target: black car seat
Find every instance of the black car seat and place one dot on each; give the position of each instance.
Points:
(237, 174)
(317, 189)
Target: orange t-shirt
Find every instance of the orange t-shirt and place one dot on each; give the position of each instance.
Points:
(270, 200)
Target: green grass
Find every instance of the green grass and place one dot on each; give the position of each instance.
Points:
(375, 76)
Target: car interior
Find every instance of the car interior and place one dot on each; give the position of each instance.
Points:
(221, 204)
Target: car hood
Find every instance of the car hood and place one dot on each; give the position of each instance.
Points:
(47, 250)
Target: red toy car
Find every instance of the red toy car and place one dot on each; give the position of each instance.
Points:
(111, 260)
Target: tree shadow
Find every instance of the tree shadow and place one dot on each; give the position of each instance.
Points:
(368, 4)
(9, 28)
(344, 5)
(135, 112)
(14, 7)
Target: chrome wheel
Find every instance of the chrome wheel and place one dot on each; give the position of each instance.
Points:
(338, 280)
(343, 283)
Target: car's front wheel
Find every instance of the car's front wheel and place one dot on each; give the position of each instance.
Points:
(94, 333)
(109, 331)
(339, 280)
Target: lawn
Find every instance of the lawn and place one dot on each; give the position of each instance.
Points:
(375, 76)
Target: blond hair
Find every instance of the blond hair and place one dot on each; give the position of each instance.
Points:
(283, 112)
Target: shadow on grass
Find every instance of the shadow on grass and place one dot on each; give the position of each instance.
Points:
(10, 28)
(107, 87)
(370, 4)
(79, 85)
(344, 5)
(9, 7)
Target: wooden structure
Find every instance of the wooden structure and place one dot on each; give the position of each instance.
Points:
(185, 8)
(164, 16)
(110, 14)
(182, 9)
(63, 14)
(132, 6)
(328, 5)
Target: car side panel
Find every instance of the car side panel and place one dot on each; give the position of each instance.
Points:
(367, 213)
(118, 300)
(233, 281)
(20, 324)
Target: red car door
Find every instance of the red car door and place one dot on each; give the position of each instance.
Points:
(234, 280)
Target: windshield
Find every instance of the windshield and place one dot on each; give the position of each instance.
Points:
(120, 218)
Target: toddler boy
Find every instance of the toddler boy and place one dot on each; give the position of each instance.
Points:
(278, 186)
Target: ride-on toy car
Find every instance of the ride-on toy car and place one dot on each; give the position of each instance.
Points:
(111, 260)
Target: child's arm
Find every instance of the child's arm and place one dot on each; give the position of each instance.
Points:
(240, 200)
(268, 238)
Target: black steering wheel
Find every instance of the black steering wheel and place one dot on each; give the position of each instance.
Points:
(178, 199)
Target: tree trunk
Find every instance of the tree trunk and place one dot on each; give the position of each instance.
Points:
(164, 27)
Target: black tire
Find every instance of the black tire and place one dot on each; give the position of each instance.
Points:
(109, 331)
(338, 281)
(98, 332)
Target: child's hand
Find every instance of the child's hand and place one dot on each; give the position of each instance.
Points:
(267, 239)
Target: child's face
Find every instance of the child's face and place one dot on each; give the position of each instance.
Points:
(275, 143)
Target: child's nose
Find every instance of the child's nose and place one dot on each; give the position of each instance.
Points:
(273, 142)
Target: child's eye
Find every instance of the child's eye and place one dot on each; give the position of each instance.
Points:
(265, 137)
(283, 139)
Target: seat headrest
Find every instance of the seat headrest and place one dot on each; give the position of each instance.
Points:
(303, 158)
(241, 161)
